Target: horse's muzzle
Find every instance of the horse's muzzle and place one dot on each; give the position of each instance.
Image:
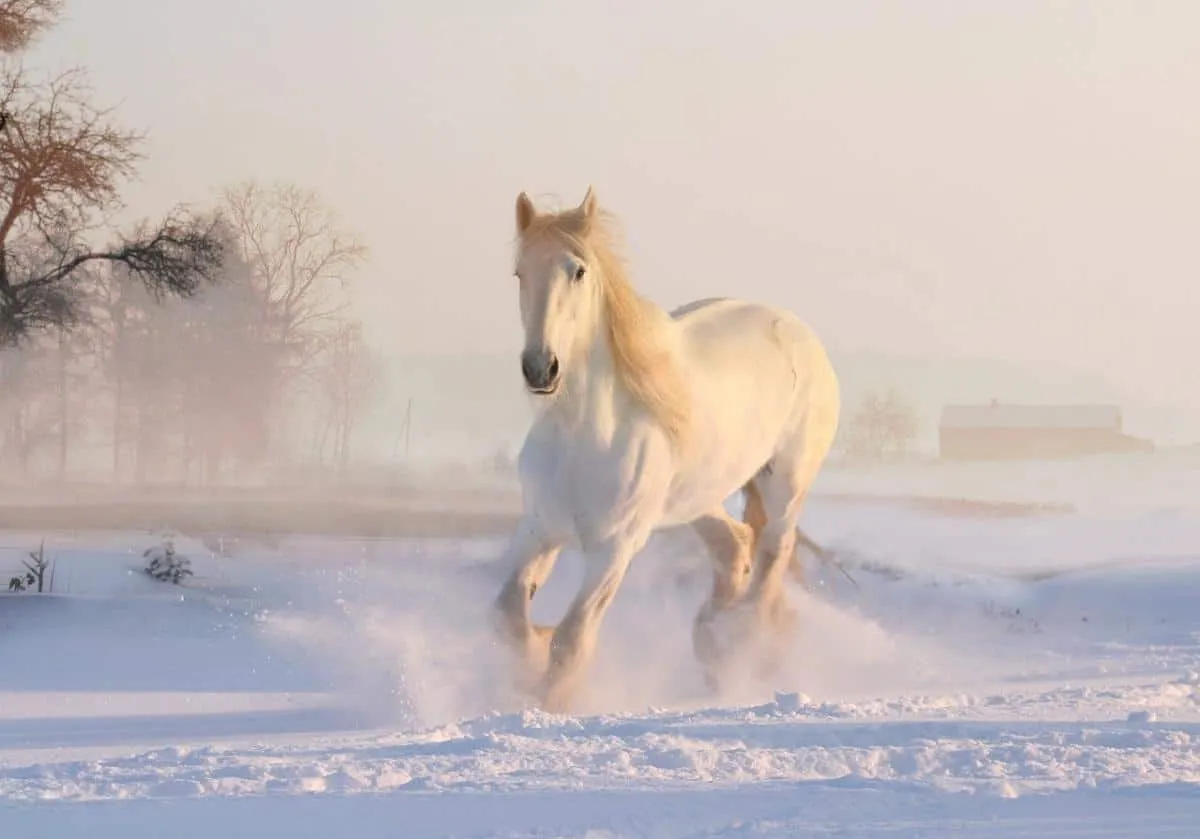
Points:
(540, 368)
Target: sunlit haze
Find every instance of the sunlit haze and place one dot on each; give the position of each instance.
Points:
(354, 482)
(1014, 182)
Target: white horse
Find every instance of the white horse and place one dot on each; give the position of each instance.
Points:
(649, 420)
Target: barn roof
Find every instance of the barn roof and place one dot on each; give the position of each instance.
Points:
(1031, 416)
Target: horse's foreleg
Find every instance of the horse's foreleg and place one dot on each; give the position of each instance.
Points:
(533, 559)
(574, 639)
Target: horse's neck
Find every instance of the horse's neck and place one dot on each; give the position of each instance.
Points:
(591, 390)
(596, 395)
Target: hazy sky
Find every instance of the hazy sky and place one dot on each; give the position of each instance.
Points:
(1009, 179)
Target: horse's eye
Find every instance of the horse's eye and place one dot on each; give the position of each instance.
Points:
(579, 272)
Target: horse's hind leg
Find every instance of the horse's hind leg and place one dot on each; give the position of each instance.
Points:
(782, 487)
(730, 543)
(756, 516)
(753, 513)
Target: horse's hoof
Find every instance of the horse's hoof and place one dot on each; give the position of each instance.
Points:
(555, 700)
(537, 647)
(713, 682)
(719, 640)
(770, 663)
(778, 639)
(721, 632)
(527, 655)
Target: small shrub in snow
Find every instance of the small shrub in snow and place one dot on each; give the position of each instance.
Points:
(35, 572)
(167, 565)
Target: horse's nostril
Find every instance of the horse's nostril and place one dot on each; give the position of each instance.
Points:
(540, 369)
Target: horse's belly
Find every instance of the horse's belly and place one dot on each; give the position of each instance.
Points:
(699, 499)
(746, 396)
(728, 456)
(707, 482)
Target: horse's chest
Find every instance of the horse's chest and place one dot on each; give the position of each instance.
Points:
(584, 487)
(587, 479)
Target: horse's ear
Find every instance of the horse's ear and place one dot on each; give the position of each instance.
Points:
(525, 212)
(587, 207)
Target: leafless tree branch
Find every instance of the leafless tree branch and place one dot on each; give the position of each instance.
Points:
(21, 21)
(300, 258)
(176, 256)
(62, 163)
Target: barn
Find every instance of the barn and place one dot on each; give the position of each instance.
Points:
(1032, 432)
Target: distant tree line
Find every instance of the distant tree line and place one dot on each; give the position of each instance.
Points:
(180, 347)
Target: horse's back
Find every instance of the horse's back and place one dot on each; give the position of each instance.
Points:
(762, 383)
(725, 325)
(696, 305)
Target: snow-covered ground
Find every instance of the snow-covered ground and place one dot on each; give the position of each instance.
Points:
(980, 677)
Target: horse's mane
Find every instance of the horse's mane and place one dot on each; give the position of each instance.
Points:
(643, 364)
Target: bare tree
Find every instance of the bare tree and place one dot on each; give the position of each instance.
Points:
(348, 373)
(28, 410)
(62, 161)
(227, 366)
(21, 21)
(301, 258)
(880, 425)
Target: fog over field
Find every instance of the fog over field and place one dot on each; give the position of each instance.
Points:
(928, 185)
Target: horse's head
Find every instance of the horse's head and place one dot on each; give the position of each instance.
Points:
(559, 276)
